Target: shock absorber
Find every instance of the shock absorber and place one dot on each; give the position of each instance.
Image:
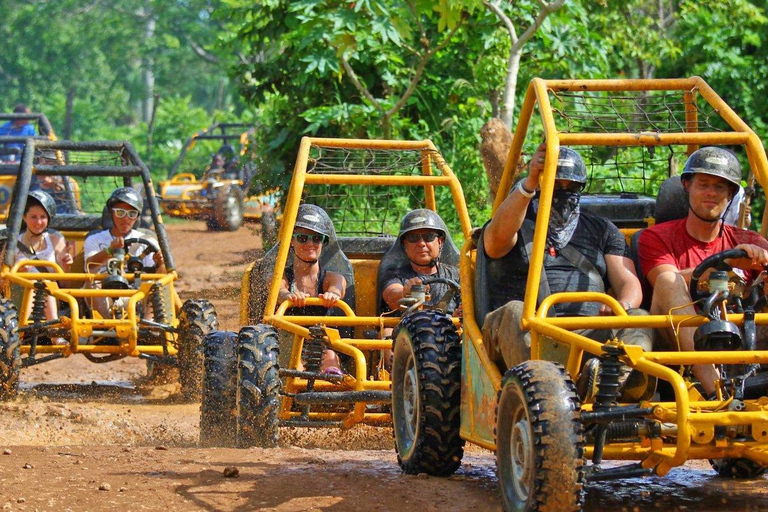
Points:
(158, 304)
(38, 303)
(608, 385)
(607, 393)
(314, 347)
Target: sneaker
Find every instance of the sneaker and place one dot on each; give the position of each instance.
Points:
(586, 385)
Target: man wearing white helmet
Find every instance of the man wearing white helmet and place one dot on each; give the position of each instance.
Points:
(671, 250)
(124, 207)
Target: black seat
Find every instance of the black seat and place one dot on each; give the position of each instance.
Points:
(671, 204)
(395, 258)
(332, 258)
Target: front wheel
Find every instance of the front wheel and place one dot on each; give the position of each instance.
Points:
(539, 439)
(227, 209)
(218, 407)
(737, 468)
(10, 355)
(258, 387)
(426, 394)
(196, 320)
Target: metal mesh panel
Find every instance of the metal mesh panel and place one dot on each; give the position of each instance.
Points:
(367, 210)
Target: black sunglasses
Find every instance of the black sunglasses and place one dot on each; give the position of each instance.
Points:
(304, 238)
(414, 238)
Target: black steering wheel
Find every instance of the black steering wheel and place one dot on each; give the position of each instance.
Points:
(454, 288)
(716, 262)
(136, 263)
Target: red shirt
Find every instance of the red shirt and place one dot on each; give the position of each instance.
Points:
(669, 243)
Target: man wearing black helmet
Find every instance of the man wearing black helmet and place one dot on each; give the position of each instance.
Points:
(584, 253)
(421, 237)
(124, 207)
(671, 250)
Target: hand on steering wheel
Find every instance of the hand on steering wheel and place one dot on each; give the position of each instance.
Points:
(136, 263)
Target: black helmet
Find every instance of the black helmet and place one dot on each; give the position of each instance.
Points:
(715, 162)
(421, 219)
(126, 195)
(570, 166)
(45, 200)
(315, 219)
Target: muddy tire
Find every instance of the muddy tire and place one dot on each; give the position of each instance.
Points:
(227, 209)
(539, 439)
(10, 355)
(737, 468)
(268, 230)
(196, 320)
(426, 394)
(258, 387)
(218, 406)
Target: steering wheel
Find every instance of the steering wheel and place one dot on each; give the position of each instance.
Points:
(136, 263)
(717, 262)
(454, 288)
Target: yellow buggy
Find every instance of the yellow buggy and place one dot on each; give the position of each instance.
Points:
(633, 135)
(10, 154)
(254, 379)
(219, 195)
(142, 315)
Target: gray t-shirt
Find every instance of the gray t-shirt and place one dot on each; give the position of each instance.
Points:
(402, 274)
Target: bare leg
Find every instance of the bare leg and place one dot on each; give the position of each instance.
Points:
(669, 292)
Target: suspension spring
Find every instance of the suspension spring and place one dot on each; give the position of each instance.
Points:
(610, 378)
(314, 347)
(38, 303)
(158, 303)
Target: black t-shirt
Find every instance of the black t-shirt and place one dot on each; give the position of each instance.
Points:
(306, 310)
(594, 238)
(436, 291)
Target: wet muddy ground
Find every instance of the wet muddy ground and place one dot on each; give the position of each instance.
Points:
(84, 436)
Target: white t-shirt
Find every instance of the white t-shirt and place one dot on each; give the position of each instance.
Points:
(97, 242)
(47, 253)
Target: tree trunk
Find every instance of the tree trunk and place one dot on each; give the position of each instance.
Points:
(510, 87)
(69, 115)
(496, 140)
(148, 72)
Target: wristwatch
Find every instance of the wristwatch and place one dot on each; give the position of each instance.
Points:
(526, 193)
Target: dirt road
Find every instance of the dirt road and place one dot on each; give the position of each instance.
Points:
(91, 437)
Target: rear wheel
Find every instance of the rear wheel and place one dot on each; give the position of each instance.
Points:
(539, 439)
(258, 387)
(426, 394)
(737, 468)
(268, 230)
(10, 355)
(196, 320)
(227, 209)
(218, 407)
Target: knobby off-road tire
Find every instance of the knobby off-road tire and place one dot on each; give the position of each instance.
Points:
(426, 394)
(196, 320)
(10, 355)
(737, 468)
(227, 209)
(539, 439)
(258, 387)
(218, 407)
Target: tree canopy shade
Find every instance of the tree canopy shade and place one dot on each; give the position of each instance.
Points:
(405, 69)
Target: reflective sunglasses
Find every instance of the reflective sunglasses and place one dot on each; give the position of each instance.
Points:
(303, 238)
(121, 212)
(415, 237)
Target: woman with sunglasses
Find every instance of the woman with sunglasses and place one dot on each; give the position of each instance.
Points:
(422, 235)
(305, 278)
(124, 207)
(37, 243)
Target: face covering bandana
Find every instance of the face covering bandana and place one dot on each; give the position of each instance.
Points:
(563, 217)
